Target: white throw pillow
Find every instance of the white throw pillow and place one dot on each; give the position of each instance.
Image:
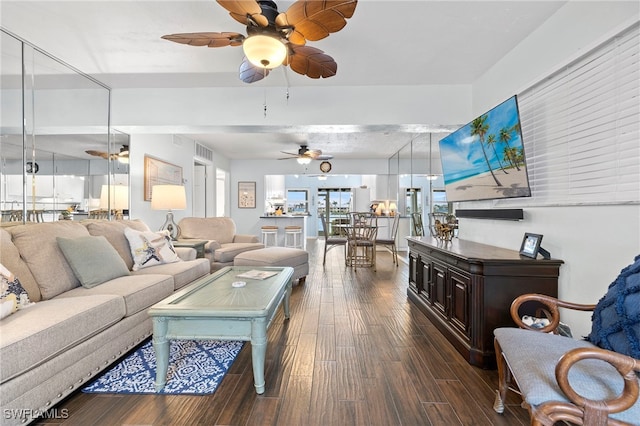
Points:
(150, 248)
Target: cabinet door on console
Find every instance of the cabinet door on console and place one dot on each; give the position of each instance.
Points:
(439, 296)
(427, 282)
(460, 287)
(415, 281)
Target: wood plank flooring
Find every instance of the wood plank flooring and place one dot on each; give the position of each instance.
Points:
(356, 351)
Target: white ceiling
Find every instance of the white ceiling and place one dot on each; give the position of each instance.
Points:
(389, 43)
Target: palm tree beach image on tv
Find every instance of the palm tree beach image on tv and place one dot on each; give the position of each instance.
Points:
(485, 159)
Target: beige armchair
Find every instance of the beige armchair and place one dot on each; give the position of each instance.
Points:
(562, 379)
(223, 244)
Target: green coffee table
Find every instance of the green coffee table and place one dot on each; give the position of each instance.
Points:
(212, 308)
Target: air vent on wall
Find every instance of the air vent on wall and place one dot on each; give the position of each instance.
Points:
(203, 152)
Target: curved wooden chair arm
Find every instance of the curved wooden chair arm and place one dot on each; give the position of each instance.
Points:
(552, 305)
(586, 411)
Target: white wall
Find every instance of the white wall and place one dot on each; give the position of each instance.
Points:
(595, 242)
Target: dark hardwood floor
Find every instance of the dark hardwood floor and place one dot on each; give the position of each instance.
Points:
(355, 352)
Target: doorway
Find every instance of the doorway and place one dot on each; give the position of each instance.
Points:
(334, 204)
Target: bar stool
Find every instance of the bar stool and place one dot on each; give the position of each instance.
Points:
(293, 236)
(269, 231)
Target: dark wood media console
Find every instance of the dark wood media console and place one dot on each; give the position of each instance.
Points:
(466, 289)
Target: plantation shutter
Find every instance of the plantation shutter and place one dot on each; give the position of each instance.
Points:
(581, 128)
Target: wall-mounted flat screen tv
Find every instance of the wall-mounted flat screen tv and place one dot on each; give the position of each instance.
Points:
(485, 159)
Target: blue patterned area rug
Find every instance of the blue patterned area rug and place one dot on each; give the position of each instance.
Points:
(196, 367)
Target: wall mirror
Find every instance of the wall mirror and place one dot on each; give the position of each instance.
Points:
(57, 150)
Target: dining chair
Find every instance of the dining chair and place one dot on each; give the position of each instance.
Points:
(361, 245)
(390, 243)
(331, 241)
(418, 228)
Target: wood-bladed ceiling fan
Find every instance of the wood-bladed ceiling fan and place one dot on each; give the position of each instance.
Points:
(287, 32)
(122, 155)
(306, 154)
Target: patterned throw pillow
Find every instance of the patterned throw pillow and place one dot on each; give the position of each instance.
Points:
(12, 295)
(616, 319)
(150, 248)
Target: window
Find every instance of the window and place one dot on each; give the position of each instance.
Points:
(297, 201)
(581, 128)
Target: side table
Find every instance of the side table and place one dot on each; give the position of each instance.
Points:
(195, 244)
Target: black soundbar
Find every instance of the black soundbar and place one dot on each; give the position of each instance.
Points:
(502, 214)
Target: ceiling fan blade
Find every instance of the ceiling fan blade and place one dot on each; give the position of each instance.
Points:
(315, 20)
(324, 157)
(311, 62)
(207, 39)
(244, 11)
(290, 153)
(249, 73)
(97, 153)
(312, 153)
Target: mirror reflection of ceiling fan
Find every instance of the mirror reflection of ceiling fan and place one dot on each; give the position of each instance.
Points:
(306, 155)
(278, 38)
(122, 155)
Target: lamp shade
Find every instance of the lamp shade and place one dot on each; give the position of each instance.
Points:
(115, 197)
(303, 160)
(264, 51)
(168, 197)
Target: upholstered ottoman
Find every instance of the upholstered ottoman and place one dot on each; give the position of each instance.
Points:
(277, 256)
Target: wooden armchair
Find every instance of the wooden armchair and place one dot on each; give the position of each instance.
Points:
(562, 379)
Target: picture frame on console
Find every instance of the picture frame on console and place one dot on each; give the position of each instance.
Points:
(530, 246)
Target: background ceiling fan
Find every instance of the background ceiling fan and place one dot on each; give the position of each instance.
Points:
(275, 38)
(305, 155)
(122, 155)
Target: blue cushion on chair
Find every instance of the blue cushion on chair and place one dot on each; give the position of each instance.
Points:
(616, 319)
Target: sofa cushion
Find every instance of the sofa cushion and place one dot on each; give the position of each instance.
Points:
(183, 273)
(227, 252)
(32, 336)
(616, 318)
(534, 369)
(38, 247)
(113, 231)
(150, 248)
(92, 259)
(221, 229)
(138, 292)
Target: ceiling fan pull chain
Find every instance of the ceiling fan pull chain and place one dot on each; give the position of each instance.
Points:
(265, 103)
(286, 79)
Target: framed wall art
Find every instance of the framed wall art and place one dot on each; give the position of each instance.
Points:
(246, 195)
(158, 172)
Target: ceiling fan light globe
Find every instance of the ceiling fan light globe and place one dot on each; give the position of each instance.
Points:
(264, 51)
(303, 160)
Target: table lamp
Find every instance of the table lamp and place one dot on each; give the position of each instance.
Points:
(115, 198)
(392, 208)
(169, 197)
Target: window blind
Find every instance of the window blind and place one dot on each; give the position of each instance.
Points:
(581, 128)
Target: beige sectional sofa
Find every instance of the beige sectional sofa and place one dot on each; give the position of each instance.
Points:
(223, 244)
(51, 348)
